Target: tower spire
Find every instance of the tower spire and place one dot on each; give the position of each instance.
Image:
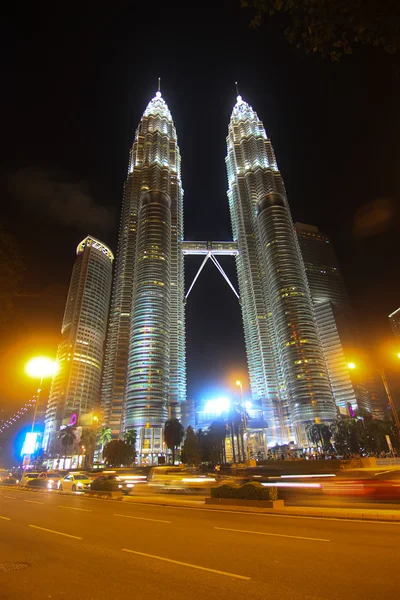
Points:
(159, 84)
(237, 88)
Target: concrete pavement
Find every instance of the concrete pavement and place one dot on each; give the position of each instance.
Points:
(73, 546)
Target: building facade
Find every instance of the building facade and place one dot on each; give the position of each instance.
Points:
(144, 378)
(288, 373)
(75, 388)
(332, 311)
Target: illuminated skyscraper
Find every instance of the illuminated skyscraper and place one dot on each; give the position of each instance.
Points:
(288, 374)
(332, 310)
(145, 370)
(75, 388)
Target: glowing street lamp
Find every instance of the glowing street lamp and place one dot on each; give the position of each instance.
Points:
(40, 368)
(382, 374)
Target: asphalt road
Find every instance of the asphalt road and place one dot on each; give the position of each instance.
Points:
(66, 546)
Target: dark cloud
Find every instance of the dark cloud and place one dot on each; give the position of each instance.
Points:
(375, 217)
(52, 194)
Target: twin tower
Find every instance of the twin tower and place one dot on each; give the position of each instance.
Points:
(144, 379)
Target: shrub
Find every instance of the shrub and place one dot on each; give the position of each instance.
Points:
(225, 491)
(248, 491)
(253, 491)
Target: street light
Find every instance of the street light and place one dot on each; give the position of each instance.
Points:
(382, 375)
(40, 367)
(239, 383)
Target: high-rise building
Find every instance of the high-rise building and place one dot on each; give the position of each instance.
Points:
(332, 311)
(145, 370)
(75, 388)
(394, 319)
(288, 373)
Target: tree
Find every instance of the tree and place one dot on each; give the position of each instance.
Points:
(173, 435)
(191, 452)
(88, 439)
(217, 433)
(332, 28)
(118, 453)
(104, 435)
(130, 437)
(67, 438)
(320, 435)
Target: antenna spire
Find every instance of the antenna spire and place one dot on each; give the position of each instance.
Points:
(237, 88)
(159, 84)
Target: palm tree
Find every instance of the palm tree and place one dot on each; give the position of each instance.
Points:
(67, 438)
(320, 435)
(104, 436)
(217, 432)
(173, 435)
(130, 437)
(88, 439)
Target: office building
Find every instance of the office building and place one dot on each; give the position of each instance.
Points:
(75, 389)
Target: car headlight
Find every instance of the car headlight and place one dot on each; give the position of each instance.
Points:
(119, 485)
(80, 485)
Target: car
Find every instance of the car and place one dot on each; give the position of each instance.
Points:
(109, 483)
(47, 480)
(7, 478)
(74, 482)
(179, 479)
(29, 476)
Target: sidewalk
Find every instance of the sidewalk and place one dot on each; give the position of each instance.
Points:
(359, 514)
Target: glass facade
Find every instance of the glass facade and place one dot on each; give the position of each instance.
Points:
(288, 374)
(144, 377)
(76, 386)
(332, 310)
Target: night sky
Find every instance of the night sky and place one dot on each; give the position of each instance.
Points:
(75, 82)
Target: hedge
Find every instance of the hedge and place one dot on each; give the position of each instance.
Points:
(248, 491)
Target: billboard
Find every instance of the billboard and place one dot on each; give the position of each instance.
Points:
(30, 443)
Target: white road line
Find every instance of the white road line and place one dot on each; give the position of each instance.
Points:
(57, 532)
(294, 537)
(182, 564)
(10, 497)
(74, 508)
(242, 512)
(34, 501)
(141, 518)
(5, 518)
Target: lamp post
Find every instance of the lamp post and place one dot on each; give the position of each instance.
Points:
(40, 368)
(239, 383)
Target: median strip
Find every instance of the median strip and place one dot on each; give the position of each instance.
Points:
(74, 508)
(141, 518)
(293, 537)
(182, 564)
(75, 537)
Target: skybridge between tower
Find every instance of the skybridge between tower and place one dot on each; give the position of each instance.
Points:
(210, 250)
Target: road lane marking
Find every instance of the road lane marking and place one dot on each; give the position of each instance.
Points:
(57, 532)
(294, 537)
(74, 508)
(141, 518)
(182, 564)
(242, 512)
(10, 497)
(5, 518)
(34, 501)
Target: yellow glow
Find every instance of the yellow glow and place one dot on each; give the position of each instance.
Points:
(238, 382)
(351, 365)
(41, 366)
(398, 355)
